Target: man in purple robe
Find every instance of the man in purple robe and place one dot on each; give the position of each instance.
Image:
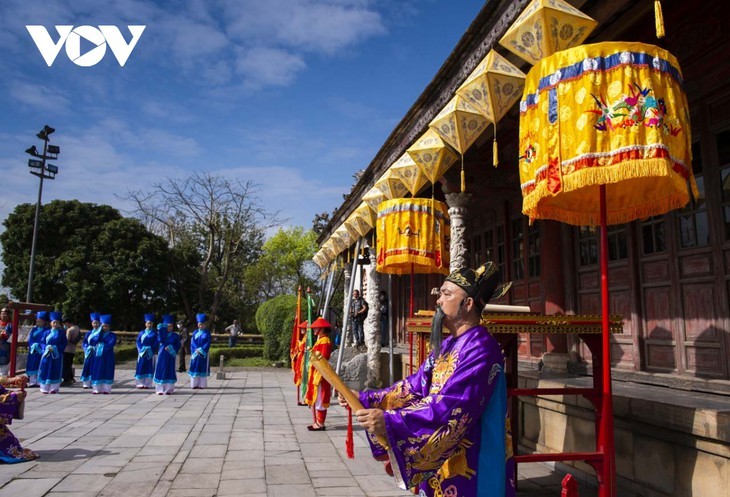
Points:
(446, 425)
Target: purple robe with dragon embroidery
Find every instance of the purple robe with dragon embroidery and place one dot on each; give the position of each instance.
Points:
(10, 449)
(446, 424)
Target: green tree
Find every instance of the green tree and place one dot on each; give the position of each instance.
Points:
(134, 269)
(88, 257)
(286, 264)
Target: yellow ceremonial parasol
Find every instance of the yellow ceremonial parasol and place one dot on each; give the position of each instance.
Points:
(351, 230)
(358, 225)
(605, 139)
(391, 185)
(546, 27)
(367, 214)
(409, 173)
(347, 238)
(327, 250)
(412, 236)
(337, 242)
(347, 235)
(324, 261)
(459, 124)
(492, 88)
(610, 114)
(362, 219)
(373, 198)
(320, 260)
(431, 155)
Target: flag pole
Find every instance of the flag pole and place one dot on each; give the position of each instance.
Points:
(348, 304)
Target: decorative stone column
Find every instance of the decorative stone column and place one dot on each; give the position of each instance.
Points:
(345, 317)
(458, 203)
(372, 323)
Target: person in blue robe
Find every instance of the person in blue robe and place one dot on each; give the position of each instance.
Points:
(102, 371)
(50, 371)
(147, 344)
(35, 348)
(199, 352)
(169, 346)
(89, 352)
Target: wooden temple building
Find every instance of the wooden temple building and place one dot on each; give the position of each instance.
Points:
(669, 274)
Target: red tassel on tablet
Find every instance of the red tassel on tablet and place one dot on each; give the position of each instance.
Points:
(349, 442)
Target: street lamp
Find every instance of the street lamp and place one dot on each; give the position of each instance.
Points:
(43, 171)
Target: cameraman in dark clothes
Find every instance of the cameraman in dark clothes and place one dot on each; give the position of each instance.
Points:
(183, 332)
(73, 336)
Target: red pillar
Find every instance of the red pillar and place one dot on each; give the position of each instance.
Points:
(552, 280)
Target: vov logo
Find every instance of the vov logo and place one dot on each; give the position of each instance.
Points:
(71, 37)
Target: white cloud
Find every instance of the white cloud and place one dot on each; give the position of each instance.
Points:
(38, 96)
(263, 66)
(169, 111)
(313, 25)
(297, 196)
(191, 65)
(190, 39)
(209, 39)
(217, 73)
(151, 141)
(329, 28)
(100, 164)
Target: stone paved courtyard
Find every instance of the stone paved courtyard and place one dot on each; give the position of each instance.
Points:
(242, 436)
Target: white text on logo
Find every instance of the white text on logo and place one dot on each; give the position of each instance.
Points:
(71, 37)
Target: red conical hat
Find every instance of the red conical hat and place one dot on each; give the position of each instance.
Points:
(304, 324)
(321, 323)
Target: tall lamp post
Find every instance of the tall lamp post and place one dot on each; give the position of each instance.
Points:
(43, 171)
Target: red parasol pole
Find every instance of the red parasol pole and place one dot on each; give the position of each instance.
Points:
(14, 341)
(410, 314)
(605, 437)
(410, 298)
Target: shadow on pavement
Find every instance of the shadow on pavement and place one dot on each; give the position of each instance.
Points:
(74, 454)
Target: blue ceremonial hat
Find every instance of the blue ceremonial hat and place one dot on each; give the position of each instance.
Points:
(56, 316)
(106, 319)
(94, 316)
(168, 319)
(201, 318)
(42, 315)
(149, 317)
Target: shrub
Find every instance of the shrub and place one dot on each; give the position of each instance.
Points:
(128, 352)
(275, 319)
(238, 352)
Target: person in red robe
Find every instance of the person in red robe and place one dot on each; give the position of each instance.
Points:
(318, 390)
(298, 357)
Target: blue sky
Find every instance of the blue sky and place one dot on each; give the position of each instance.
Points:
(295, 95)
